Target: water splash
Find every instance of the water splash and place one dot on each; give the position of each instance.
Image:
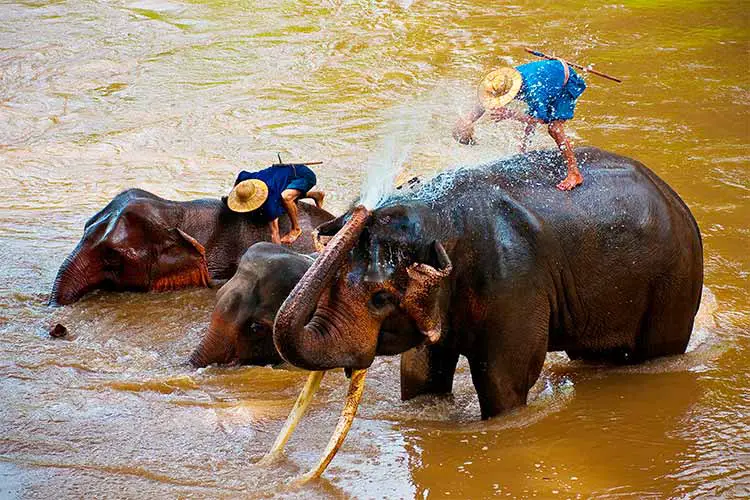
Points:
(428, 119)
(382, 172)
(383, 169)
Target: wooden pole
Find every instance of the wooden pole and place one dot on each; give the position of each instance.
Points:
(299, 163)
(582, 68)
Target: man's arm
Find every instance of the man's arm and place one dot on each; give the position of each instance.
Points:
(463, 131)
(500, 114)
(275, 236)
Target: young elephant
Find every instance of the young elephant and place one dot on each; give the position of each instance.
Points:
(141, 242)
(495, 264)
(241, 328)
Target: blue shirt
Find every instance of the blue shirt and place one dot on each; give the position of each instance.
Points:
(277, 178)
(545, 92)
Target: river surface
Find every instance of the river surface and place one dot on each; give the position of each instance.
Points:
(176, 96)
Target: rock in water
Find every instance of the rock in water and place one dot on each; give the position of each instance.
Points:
(58, 331)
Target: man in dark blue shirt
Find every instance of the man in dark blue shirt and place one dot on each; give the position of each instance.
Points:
(549, 89)
(270, 192)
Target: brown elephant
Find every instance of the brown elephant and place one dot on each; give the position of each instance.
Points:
(141, 242)
(241, 327)
(495, 264)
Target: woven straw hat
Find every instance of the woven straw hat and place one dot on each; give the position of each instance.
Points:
(248, 195)
(499, 87)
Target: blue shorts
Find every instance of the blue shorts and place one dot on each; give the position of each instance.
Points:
(545, 91)
(304, 182)
(562, 109)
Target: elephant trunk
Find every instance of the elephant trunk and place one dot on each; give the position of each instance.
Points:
(78, 275)
(218, 344)
(317, 343)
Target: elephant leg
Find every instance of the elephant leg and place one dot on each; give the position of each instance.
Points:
(668, 321)
(506, 360)
(427, 370)
(214, 283)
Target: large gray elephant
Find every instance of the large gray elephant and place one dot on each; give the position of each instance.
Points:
(141, 242)
(495, 264)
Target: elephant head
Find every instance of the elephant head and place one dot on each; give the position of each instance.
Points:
(241, 328)
(130, 246)
(375, 289)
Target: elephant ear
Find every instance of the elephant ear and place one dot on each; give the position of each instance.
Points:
(420, 300)
(181, 263)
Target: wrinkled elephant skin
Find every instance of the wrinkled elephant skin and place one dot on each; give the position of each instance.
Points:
(496, 264)
(241, 328)
(141, 242)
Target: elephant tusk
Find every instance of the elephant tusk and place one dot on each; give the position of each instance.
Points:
(353, 397)
(299, 409)
(320, 242)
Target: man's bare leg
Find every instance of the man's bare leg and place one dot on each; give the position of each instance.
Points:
(317, 197)
(574, 177)
(288, 198)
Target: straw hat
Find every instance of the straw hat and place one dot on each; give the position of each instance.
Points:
(499, 87)
(248, 195)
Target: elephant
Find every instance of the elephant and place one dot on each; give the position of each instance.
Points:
(241, 325)
(141, 242)
(241, 328)
(493, 263)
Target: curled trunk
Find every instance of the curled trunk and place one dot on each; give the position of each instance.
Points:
(318, 341)
(79, 274)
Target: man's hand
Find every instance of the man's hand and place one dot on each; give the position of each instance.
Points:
(528, 131)
(463, 132)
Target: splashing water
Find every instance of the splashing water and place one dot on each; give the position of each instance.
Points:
(423, 121)
(384, 168)
(382, 172)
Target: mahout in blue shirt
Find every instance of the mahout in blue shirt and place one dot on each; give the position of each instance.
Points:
(545, 92)
(278, 178)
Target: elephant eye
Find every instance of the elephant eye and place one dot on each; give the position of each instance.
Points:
(381, 299)
(256, 328)
(111, 259)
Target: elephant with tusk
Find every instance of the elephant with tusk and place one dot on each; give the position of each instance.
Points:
(495, 264)
(241, 326)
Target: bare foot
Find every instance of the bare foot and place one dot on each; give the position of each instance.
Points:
(291, 237)
(317, 197)
(571, 181)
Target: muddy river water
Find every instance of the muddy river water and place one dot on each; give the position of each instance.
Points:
(176, 96)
